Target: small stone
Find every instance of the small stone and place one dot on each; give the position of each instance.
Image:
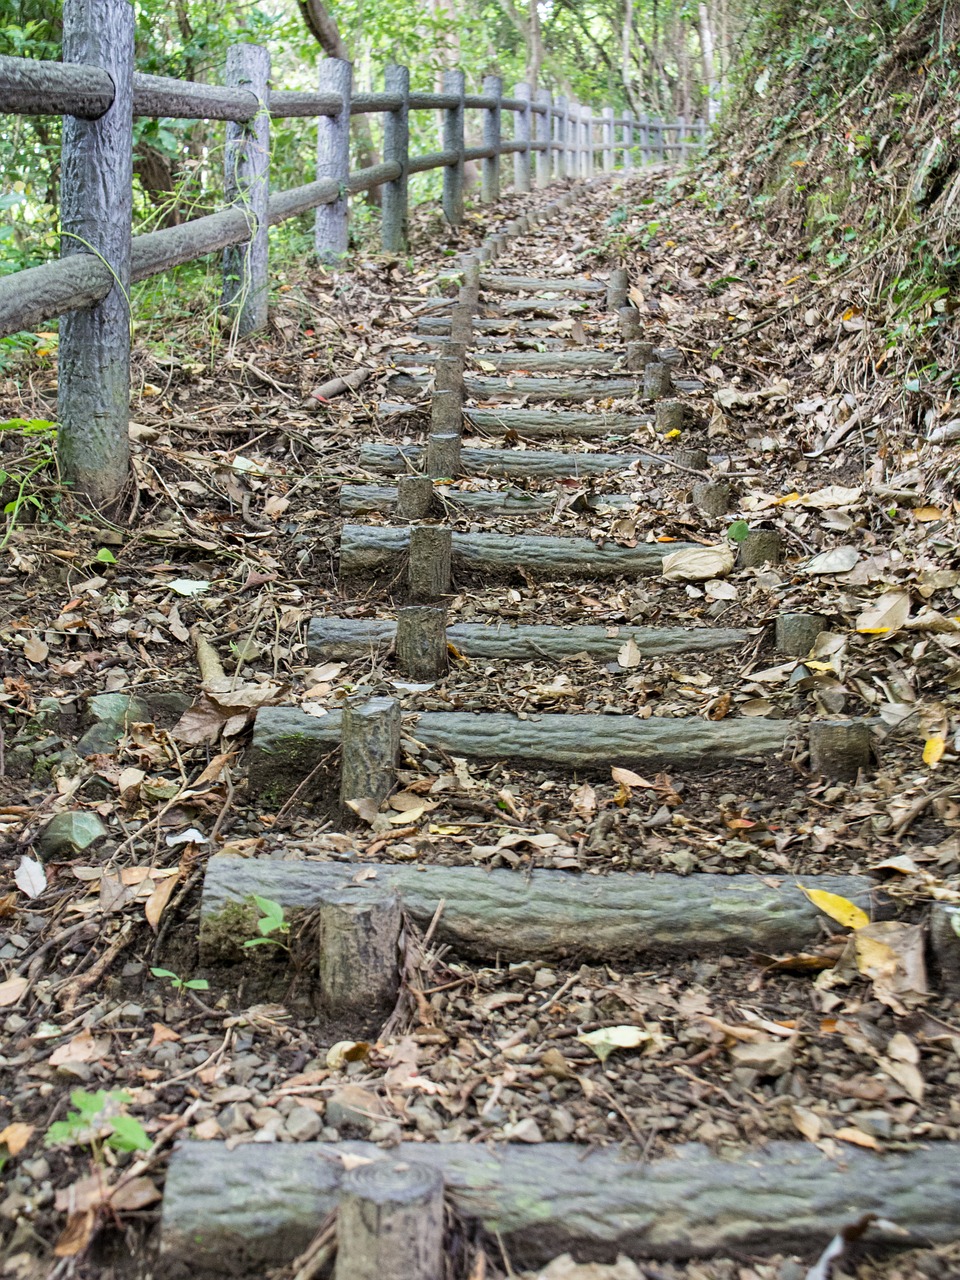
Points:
(36, 1169)
(544, 978)
(523, 1131)
(388, 1133)
(14, 1023)
(16, 1205)
(302, 1124)
(113, 713)
(235, 1119)
(682, 861)
(879, 1124)
(766, 1057)
(562, 1123)
(354, 1107)
(791, 1270)
(71, 832)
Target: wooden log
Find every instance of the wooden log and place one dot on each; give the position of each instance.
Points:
(27, 298)
(639, 355)
(453, 82)
(446, 413)
(517, 463)
(331, 231)
(570, 390)
(443, 454)
(344, 638)
(490, 170)
(618, 287)
(619, 917)
(528, 284)
(522, 131)
(656, 381)
(541, 126)
(421, 640)
(839, 749)
(414, 498)
(285, 740)
(373, 176)
(448, 373)
(390, 1222)
(461, 323)
(691, 459)
(369, 550)
(566, 424)
(668, 416)
(370, 749)
(360, 499)
(796, 633)
(359, 956)
(529, 361)
(945, 945)
(394, 230)
(712, 497)
(759, 547)
(246, 184)
(31, 86)
(429, 565)
(96, 210)
(258, 1205)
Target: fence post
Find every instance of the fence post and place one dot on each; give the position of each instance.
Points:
(681, 139)
(246, 184)
(522, 132)
(490, 173)
(573, 140)
(560, 125)
(627, 141)
(608, 157)
(660, 142)
(396, 146)
(453, 141)
(702, 131)
(331, 228)
(96, 213)
(644, 138)
(544, 133)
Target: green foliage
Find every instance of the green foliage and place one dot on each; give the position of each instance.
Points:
(738, 531)
(20, 491)
(181, 984)
(272, 920)
(98, 1121)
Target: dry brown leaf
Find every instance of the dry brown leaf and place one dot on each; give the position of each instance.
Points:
(154, 906)
(16, 1136)
(84, 1047)
(12, 990)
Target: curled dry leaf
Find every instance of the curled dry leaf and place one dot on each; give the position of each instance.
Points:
(698, 564)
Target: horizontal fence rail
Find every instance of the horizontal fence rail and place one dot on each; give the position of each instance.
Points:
(99, 93)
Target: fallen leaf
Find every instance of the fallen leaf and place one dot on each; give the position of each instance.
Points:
(82, 1048)
(627, 778)
(605, 1040)
(154, 906)
(35, 650)
(933, 750)
(583, 801)
(885, 615)
(30, 877)
(12, 990)
(837, 560)
(629, 654)
(857, 1138)
(837, 908)
(161, 1034)
(697, 564)
(16, 1136)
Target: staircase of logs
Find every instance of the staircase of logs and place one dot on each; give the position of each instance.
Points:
(260, 1205)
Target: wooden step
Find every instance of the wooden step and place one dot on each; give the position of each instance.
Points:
(516, 464)
(362, 499)
(530, 284)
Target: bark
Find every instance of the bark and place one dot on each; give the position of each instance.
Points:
(517, 463)
(256, 1207)
(709, 67)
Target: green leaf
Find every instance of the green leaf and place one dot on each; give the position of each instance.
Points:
(128, 1135)
(738, 531)
(262, 942)
(197, 984)
(105, 556)
(164, 973)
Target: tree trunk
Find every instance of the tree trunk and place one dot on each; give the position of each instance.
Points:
(709, 66)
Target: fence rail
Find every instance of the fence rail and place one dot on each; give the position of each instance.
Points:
(98, 92)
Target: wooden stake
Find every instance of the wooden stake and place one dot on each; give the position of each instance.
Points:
(631, 325)
(453, 82)
(712, 497)
(797, 633)
(333, 161)
(668, 416)
(839, 748)
(359, 962)
(656, 381)
(443, 454)
(617, 289)
(760, 547)
(639, 354)
(390, 1222)
(396, 146)
(247, 185)
(428, 571)
(421, 642)
(370, 750)
(446, 412)
(415, 497)
(490, 172)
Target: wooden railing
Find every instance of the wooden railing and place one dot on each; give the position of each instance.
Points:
(99, 93)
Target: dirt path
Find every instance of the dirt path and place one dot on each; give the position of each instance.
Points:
(693, 671)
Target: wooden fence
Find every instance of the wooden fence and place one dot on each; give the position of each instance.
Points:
(98, 92)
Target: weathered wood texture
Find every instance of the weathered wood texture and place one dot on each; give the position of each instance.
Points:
(620, 917)
(30, 86)
(259, 1206)
(344, 638)
(359, 952)
(96, 209)
(394, 459)
(390, 1222)
(371, 749)
(396, 146)
(490, 171)
(569, 390)
(563, 424)
(421, 640)
(430, 549)
(453, 85)
(360, 499)
(372, 549)
(246, 182)
(528, 361)
(288, 743)
(526, 284)
(331, 233)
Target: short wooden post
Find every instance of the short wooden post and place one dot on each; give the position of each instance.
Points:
(544, 134)
(639, 354)
(461, 323)
(839, 748)
(668, 415)
(446, 412)
(448, 372)
(453, 141)
(95, 216)
(797, 633)
(631, 324)
(331, 222)
(656, 381)
(617, 288)
(644, 126)
(608, 159)
(415, 497)
(760, 547)
(712, 497)
(627, 141)
(370, 748)
(681, 139)
(660, 129)
(471, 271)
(359, 952)
(443, 454)
(246, 184)
(573, 141)
(690, 459)
(490, 173)
(587, 121)
(396, 147)
(560, 136)
(428, 571)
(421, 642)
(522, 132)
(390, 1222)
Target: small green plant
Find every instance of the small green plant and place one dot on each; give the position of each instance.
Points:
(97, 1122)
(737, 532)
(182, 984)
(272, 920)
(18, 475)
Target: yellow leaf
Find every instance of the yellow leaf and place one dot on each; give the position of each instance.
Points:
(672, 435)
(858, 1138)
(837, 908)
(456, 655)
(16, 1136)
(925, 514)
(787, 497)
(933, 749)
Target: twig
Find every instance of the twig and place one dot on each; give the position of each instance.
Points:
(83, 982)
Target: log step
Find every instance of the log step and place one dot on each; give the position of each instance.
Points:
(545, 915)
(537, 361)
(439, 327)
(259, 1206)
(359, 499)
(288, 743)
(571, 390)
(527, 284)
(345, 638)
(565, 424)
(512, 463)
(373, 549)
